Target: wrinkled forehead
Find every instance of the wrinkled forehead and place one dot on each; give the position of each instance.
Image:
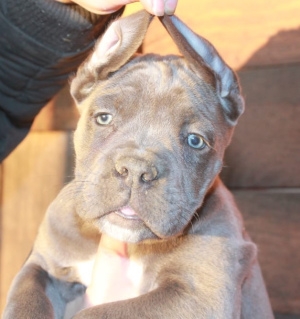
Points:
(154, 84)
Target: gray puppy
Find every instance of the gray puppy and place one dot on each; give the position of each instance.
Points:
(149, 147)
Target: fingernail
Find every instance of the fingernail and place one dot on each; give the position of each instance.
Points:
(158, 7)
(170, 6)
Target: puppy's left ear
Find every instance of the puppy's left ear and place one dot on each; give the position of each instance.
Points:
(203, 56)
(113, 50)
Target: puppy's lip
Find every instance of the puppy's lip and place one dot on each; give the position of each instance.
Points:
(128, 213)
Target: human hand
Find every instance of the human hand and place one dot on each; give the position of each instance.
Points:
(111, 280)
(156, 7)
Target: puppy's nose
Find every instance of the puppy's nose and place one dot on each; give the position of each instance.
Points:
(138, 169)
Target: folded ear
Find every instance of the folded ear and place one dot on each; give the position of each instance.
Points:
(113, 50)
(202, 54)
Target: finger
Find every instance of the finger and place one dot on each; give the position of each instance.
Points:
(155, 7)
(113, 246)
(170, 6)
(100, 6)
(160, 7)
(110, 280)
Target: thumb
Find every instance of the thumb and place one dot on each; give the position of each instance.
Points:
(112, 246)
(100, 6)
(110, 281)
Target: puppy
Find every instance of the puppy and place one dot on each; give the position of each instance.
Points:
(149, 147)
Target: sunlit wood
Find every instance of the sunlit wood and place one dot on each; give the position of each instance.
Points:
(34, 174)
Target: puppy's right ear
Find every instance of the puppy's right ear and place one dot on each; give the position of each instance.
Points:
(112, 51)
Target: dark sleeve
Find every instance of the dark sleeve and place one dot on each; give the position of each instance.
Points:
(41, 43)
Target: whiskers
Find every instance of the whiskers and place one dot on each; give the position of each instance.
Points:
(195, 218)
(75, 188)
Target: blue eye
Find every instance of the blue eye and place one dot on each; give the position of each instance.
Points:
(196, 141)
(104, 118)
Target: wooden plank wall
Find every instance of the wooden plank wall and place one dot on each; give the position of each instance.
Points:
(261, 40)
(32, 176)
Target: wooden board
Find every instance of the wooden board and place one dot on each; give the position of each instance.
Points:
(272, 218)
(238, 29)
(59, 114)
(34, 173)
(265, 150)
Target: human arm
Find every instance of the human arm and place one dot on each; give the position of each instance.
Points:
(41, 44)
(112, 277)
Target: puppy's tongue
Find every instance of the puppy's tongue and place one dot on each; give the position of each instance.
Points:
(128, 211)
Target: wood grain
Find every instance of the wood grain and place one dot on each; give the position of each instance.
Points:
(59, 114)
(238, 29)
(265, 150)
(34, 174)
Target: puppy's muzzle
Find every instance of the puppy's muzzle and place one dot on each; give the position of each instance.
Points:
(139, 170)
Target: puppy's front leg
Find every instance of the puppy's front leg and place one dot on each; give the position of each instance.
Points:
(34, 292)
(170, 300)
(50, 277)
(28, 295)
(201, 278)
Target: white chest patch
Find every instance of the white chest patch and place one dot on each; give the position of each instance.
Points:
(135, 274)
(85, 270)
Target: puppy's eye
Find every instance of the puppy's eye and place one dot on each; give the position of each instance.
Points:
(196, 141)
(103, 118)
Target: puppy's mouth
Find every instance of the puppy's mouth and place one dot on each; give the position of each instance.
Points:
(128, 213)
(124, 214)
(126, 224)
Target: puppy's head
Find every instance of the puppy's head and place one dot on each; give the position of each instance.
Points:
(152, 132)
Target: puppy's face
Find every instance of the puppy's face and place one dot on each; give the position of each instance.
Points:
(149, 144)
